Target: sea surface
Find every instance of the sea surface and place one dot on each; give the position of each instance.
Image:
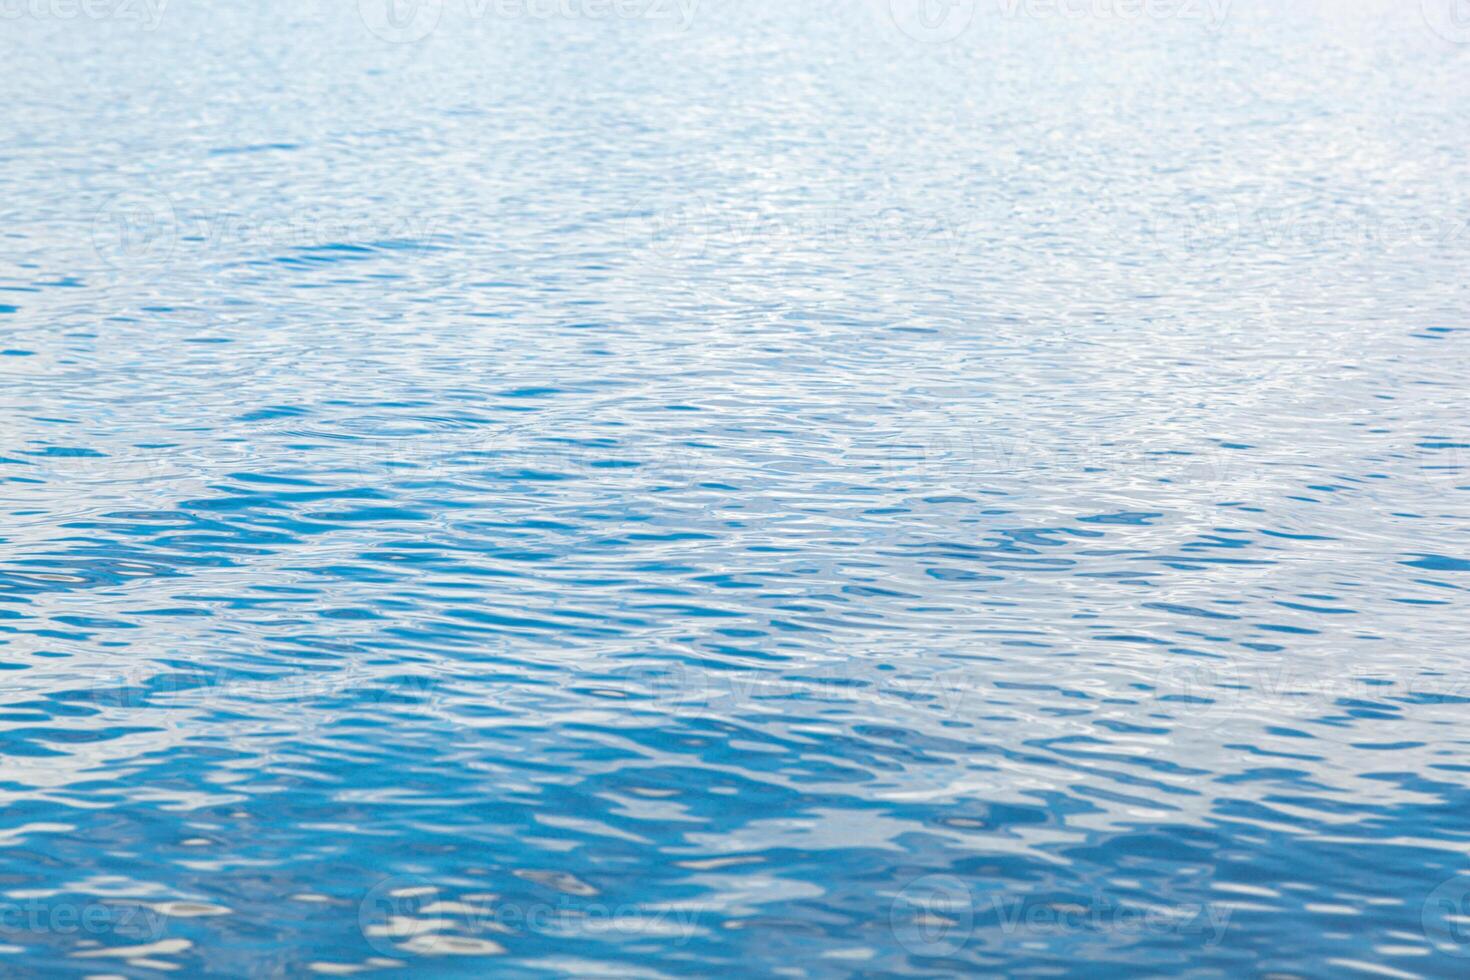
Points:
(686, 488)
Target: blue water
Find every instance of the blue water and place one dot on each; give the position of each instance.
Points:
(790, 490)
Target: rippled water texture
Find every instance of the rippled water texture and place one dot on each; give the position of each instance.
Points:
(733, 489)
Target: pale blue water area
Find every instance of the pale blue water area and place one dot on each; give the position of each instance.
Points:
(721, 489)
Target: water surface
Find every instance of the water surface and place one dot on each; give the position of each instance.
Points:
(789, 489)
